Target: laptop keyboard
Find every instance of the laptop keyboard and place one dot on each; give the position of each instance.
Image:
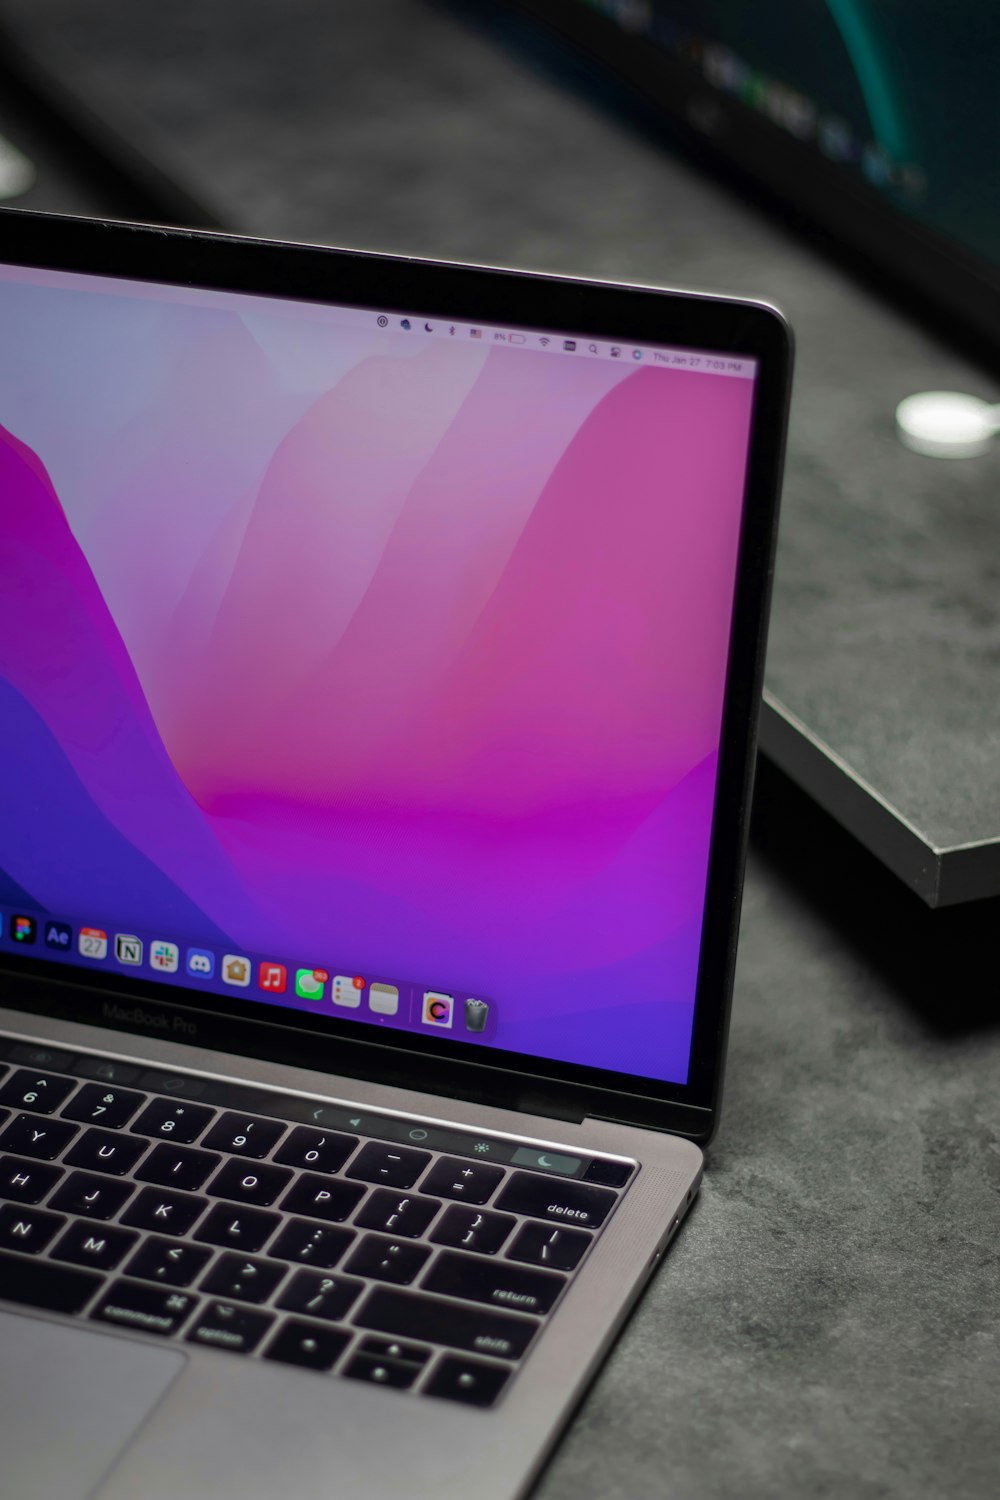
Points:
(280, 1227)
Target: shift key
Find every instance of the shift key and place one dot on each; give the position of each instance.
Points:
(409, 1315)
(557, 1201)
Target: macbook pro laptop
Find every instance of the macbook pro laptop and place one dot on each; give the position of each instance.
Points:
(381, 650)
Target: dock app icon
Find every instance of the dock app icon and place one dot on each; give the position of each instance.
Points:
(128, 948)
(439, 1009)
(59, 935)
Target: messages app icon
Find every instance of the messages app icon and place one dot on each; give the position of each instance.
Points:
(310, 983)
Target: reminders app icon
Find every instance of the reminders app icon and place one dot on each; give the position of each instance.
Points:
(439, 1009)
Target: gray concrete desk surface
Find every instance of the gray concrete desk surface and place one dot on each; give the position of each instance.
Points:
(827, 1324)
(395, 126)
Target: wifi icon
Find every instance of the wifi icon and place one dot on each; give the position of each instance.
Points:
(544, 342)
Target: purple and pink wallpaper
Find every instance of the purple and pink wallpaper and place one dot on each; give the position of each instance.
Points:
(385, 653)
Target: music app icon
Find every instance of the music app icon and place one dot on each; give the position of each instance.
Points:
(273, 978)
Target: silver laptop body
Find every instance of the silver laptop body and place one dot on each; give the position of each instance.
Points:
(465, 1177)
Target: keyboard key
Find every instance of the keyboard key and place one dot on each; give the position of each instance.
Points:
(246, 1183)
(42, 1283)
(42, 1093)
(557, 1200)
(238, 1228)
(97, 1104)
(105, 1151)
(26, 1229)
(31, 1055)
(105, 1070)
(93, 1245)
(494, 1281)
(470, 1182)
(392, 1166)
(387, 1260)
(307, 1344)
(173, 1120)
(170, 1213)
(34, 1135)
(417, 1315)
(316, 1149)
(609, 1173)
(469, 1380)
(129, 1304)
(392, 1372)
(26, 1181)
(473, 1229)
(92, 1197)
(397, 1213)
(243, 1278)
(223, 1325)
(179, 1085)
(556, 1249)
(169, 1262)
(417, 1354)
(320, 1296)
(322, 1198)
(178, 1167)
(244, 1135)
(320, 1245)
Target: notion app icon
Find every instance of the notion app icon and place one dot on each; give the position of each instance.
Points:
(92, 942)
(164, 956)
(128, 949)
(236, 970)
(347, 990)
(23, 929)
(384, 999)
(439, 1009)
(200, 963)
(310, 983)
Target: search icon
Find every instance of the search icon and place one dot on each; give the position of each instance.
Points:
(592, 348)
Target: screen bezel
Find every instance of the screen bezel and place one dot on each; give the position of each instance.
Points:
(434, 290)
(943, 283)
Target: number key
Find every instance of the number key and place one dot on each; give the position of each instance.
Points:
(173, 1121)
(42, 1093)
(244, 1135)
(96, 1104)
(316, 1149)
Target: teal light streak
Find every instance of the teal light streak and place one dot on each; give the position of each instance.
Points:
(850, 20)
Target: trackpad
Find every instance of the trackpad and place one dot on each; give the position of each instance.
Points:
(71, 1400)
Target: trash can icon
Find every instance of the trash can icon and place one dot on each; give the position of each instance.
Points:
(477, 1013)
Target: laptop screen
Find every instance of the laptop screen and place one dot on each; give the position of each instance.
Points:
(365, 664)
